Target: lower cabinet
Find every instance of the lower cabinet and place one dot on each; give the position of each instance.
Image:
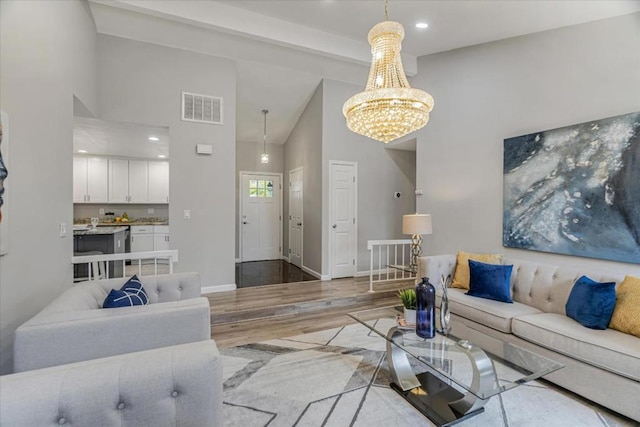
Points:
(160, 237)
(142, 238)
(146, 238)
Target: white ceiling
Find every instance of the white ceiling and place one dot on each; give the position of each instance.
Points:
(106, 138)
(284, 48)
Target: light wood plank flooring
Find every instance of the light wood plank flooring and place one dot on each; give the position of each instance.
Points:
(268, 312)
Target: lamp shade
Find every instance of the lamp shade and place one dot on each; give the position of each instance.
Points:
(416, 224)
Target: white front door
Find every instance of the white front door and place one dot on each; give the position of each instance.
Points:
(343, 199)
(260, 217)
(295, 217)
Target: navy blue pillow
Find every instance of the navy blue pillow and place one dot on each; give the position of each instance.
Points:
(130, 294)
(490, 281)
(591, 303)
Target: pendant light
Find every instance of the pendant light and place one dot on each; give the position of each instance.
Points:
(389, 107)
(264, 157)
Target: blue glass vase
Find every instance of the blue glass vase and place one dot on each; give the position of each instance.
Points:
(425, 309)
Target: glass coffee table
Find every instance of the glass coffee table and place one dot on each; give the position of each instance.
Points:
(447, 378)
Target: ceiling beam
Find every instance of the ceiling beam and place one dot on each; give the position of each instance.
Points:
(227, 19)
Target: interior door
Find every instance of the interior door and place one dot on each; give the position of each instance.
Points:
(343, 219)
(261, 217)
(295, 217)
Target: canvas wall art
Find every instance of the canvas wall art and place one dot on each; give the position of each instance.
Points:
(4, 194)
(575, 190)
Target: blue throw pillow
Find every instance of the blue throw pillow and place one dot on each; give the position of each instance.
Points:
(130, 294)
(591, 303)
(490, 281)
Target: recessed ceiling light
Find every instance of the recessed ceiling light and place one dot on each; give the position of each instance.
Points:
(153, 138)
(422, 25)
(162, 156)
(82, 151)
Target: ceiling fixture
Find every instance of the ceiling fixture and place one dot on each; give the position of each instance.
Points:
(82, 151)
(422, 25)
(162, 156)
(153, 138)
(264, 157)
(389, 107)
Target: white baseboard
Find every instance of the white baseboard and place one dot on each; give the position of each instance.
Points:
(237, 260)
(325, 277)
(217, 288)
(284, 258)
(312, 272)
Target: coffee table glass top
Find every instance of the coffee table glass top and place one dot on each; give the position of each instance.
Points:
(453, 358)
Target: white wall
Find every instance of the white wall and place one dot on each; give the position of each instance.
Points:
(304, 148)
(248, 160)
(142, 83)
(381, 172)
(47, 52)
(490, 92)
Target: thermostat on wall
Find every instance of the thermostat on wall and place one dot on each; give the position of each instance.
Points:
(204, 148)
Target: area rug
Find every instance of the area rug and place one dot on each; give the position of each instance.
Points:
(339, 377)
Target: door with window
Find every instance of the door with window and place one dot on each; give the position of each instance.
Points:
(261, 216)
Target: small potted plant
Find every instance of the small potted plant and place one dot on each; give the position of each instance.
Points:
(408, 297)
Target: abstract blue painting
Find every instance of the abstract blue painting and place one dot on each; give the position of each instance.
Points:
(575, 190)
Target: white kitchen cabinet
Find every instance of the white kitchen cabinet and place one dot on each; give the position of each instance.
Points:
(142, 238)
(138, 181)
(160, 237)
(128, 181)
(158, 182)
(118, 181)
(90, 180)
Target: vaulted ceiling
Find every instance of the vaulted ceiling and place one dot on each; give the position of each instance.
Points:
(284, 48)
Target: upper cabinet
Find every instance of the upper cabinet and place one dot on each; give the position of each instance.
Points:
(158, 182)
(107, 180)
(128, 181)
(90, 180)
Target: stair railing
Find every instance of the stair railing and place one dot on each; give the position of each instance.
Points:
(98, 265)
(389, 260)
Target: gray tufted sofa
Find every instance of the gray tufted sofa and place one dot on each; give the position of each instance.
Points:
(170, 386)
(74, 327)
(601, 365)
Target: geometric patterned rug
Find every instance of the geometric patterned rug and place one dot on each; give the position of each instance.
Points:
(339, 377)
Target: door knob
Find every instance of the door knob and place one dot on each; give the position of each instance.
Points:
(334, 226)
(245, 222)
(299, 223)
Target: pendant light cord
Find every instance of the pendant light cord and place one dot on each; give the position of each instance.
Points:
(386, 10)
(264, 150)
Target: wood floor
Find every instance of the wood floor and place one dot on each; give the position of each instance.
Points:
(271, 272)
(262, 313)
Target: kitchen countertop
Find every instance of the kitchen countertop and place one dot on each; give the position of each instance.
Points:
(88, 231)
(117, 224)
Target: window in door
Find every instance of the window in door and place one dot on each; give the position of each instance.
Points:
(261, 188)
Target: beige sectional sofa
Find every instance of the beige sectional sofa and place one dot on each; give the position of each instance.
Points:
(600, 365)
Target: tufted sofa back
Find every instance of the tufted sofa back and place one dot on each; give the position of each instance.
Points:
(543, 286)
(547, 287)
(160, 288)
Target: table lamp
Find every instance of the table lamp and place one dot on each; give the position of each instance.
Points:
(416, 225)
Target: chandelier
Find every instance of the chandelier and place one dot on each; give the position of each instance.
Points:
(389, 107)
(264, 157)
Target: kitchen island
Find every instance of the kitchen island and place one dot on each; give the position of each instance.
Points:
(106, 240)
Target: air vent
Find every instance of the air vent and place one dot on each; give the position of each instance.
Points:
(201, 108)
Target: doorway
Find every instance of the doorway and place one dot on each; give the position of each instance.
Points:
(343, 198)
(261, 216)
(295, 217)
